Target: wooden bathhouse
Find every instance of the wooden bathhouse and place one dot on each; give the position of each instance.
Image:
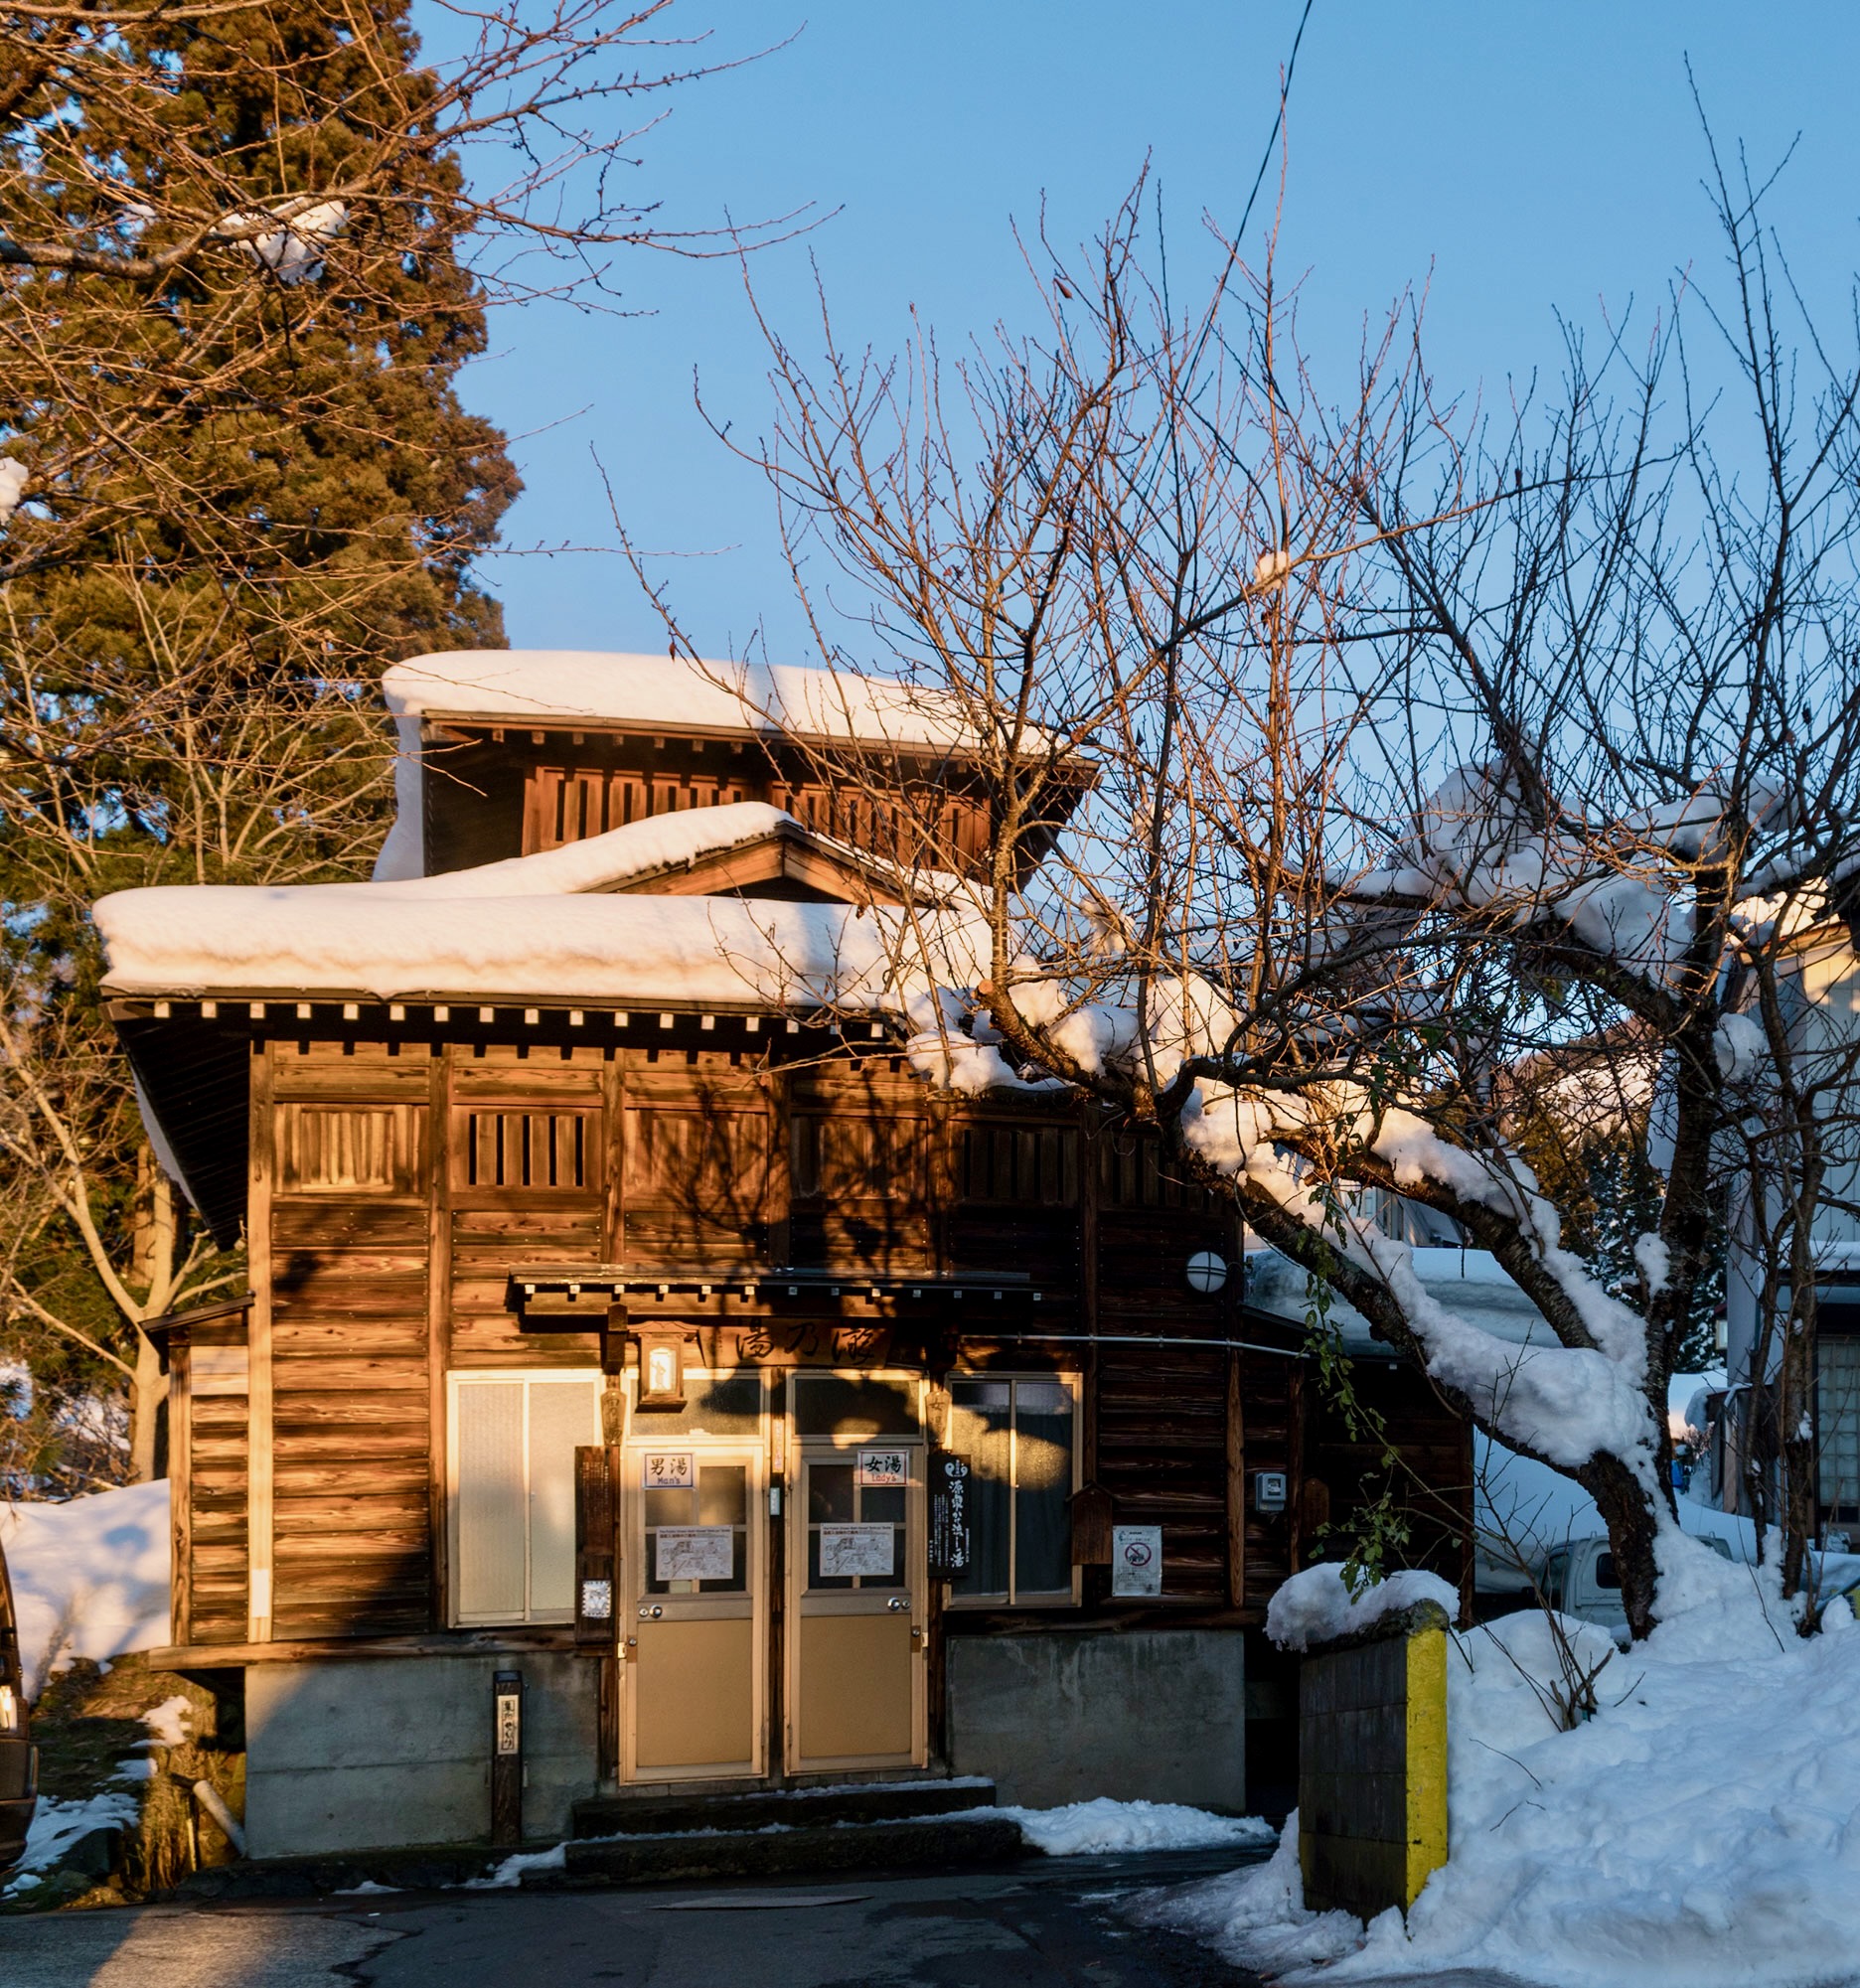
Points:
(636, 1339)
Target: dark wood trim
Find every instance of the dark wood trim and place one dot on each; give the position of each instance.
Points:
(1236, 1484)
(259, 1553)
(180, 1485)
(320, 1650)
(438, 1328)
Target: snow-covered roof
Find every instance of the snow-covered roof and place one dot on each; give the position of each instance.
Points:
(567, 686)
(1470, 1284)
(545, 927)
(621, 857)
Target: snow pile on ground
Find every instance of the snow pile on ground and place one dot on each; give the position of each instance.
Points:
(90, 1576)
(1317, 1606)
(57, 1825)
(509, 1874)
(1700, 1831)
(1103, 1827)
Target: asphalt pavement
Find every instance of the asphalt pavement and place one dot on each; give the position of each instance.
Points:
(1036, 1925)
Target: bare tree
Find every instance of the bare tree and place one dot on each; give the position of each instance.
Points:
(1425, 749)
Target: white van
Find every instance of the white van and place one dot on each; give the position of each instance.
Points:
(1578, 1580)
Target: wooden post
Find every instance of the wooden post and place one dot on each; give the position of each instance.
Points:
(439, 1173)
(1236, 1483)
(258, 1473)
(507, 1759)
(181, 1487)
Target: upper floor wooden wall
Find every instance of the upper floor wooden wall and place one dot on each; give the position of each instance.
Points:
(494, 792)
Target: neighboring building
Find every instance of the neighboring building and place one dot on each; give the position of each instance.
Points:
(626, 1311)
(1821, 993)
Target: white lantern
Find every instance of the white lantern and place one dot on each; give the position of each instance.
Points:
(1206, 1271)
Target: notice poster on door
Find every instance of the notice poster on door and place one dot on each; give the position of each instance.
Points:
(667, 1470)
(855, 1549)
(1137, 1560)
(883, 1470)
(693, 1553)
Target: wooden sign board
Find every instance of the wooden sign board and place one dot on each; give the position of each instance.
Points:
(795, 1342)
(952, 1540)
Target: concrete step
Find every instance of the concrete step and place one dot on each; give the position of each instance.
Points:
(914, 1843)
(801, 1808)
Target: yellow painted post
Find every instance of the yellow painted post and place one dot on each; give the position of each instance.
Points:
(1427, 1759)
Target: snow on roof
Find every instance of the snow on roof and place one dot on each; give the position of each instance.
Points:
(558, 686)
(540, 927)
(604, 861)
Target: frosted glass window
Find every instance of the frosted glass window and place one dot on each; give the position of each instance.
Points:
(1020, 1436)
(515, 1436)
(1837, 1426)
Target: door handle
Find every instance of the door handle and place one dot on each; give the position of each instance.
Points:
(650, 1612)
(898, 1604)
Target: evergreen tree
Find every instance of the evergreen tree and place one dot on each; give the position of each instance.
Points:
(236, 482)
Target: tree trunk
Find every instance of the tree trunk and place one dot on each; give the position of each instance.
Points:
(1631, 1516)
(153, 1236)
(147, 1393)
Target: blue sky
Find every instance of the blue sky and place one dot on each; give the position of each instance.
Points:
(1516, 159)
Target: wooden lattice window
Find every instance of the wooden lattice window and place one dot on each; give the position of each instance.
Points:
(348, 1148)
(1026, 1166)
(513, 1149)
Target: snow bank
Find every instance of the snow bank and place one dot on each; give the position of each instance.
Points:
(90, 1576)
(1102, 1827)
(1698, 1832)
(57, 1825)
(1317, 1606)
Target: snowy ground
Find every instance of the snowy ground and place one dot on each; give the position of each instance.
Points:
(1700, 1831)
(90, 1576)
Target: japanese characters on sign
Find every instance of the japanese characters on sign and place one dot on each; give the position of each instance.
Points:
(856, 1549)
(693, 1553)
(950, 1545)
(509, 1722)
(668, 1469)
(883, 1470)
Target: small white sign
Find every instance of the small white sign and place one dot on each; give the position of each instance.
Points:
(693, 1553)
(668, 1469)
(1137, 1560)
(883, 1470)
(855, 1549)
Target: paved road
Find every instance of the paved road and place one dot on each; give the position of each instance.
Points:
(1042, 1923)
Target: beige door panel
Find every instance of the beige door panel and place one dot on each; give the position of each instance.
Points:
(856, 1689)
(692, 1697)
(694, 1680)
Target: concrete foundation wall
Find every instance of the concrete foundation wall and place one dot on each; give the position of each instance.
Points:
(371, 1753)
(1152, 1715)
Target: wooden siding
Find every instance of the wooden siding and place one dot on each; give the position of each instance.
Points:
(397, 1186)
